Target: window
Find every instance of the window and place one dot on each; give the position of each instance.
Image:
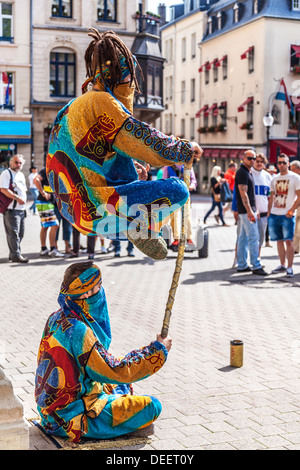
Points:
(183, 49)
(6, 92)
(193, 90)
(223, 113)
(62, 8)
(251, 60)
(150, 80)
(183, 92)
(219, 18)
(107, 10)
(225, 67)
(236, 13)
(295, 59)
(210, 25)
(192, 129)
(182, 128)
(255, 7)
(6, 22)
(296, 5)
(216, 70)
(62, 73)
(250, 119)
(193, 45)
(206, 76)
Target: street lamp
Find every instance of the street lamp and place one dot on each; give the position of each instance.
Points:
(268, 121)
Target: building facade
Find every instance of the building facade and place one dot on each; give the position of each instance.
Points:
(15, 81)
(60, 38)
(247, 48)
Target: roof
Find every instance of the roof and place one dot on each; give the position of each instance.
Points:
(267, 8)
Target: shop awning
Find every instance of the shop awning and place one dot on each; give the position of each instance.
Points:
(242, 106)
(245, 54)
(201, 111)
(17, 129)
(277, 146)
(296, 50)
(223, 153)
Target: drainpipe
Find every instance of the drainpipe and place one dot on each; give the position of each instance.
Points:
(31, 81)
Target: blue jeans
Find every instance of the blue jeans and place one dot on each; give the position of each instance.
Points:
(281, 227)
(248, 240)
(215, 204)
(117, 246)
(34, 193)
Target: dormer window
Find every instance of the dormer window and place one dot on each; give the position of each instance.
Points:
(296, 5)
(219, 19)
(255, 7)
(236, 13)
(209, 22)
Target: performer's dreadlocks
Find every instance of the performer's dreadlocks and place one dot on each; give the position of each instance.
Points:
(105, 50)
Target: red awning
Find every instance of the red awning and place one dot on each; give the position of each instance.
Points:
(201, 110)
(206, 153)
(289, 147)
(206, 66)
(214, 109)
(224, 153)
(234, 153)
(296, 50)
(218, 63)
(245, 54)
(242, 107)
(215, 153)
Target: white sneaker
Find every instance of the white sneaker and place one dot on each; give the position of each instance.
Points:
(279, 269)
(56, 254)
(289, 272)
(44, 252)
(103, 249)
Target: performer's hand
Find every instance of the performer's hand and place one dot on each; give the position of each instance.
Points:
(141, 170)
(167, 342)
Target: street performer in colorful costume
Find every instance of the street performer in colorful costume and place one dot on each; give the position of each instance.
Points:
(81, 390)
(92, 147)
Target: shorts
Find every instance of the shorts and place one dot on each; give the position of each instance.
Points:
(47, 215)
(281, 227)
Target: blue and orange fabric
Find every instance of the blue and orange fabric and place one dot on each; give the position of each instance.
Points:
(90, 165)
(82, 390)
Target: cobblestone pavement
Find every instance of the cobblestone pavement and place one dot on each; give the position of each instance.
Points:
(206, 403)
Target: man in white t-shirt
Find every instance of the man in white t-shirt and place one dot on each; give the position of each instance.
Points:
(283, 201)
(262, 181)
(14, 216)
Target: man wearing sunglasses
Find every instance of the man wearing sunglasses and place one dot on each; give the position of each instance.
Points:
(248, 237)
(284, 200)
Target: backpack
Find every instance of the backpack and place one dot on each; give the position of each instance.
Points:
(4, 200)
(226, 195)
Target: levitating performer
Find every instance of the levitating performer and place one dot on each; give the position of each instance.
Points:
(92, 148)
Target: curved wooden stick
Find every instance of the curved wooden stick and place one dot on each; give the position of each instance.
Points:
(178, 265)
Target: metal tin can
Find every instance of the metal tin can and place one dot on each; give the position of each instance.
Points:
(236, 353)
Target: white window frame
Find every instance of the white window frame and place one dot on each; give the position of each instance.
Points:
(2, 16)
(296, 5)
(3, 88)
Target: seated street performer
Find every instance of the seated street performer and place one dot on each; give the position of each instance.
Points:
(92, 148)
(81, 390)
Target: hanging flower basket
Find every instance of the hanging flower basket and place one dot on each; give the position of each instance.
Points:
(296, 69)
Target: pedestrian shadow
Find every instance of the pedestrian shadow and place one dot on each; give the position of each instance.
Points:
(231, 277)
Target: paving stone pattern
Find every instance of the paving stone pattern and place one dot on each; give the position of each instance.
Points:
(206, 403)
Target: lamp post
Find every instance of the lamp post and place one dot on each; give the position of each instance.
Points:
(268, 121)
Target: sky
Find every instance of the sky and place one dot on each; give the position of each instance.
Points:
(153, 5)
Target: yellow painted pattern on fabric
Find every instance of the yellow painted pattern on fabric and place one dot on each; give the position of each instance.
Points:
(124, 408)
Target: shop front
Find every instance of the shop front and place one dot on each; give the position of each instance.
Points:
(15, 137)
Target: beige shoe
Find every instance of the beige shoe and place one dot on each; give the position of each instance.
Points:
(155, 248)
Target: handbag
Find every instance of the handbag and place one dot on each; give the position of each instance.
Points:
(217, 197)
(4, 200)
(226, 195)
